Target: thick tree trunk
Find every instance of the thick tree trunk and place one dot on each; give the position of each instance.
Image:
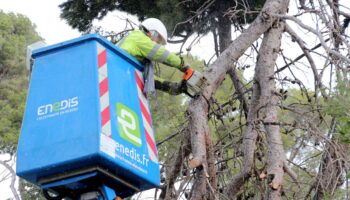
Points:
(198, 120)
(263, 107)
(198, 127)
(212, 170)
(224, 26)
(217, 71)
(265, 68)
(215, 75)
(199, 186)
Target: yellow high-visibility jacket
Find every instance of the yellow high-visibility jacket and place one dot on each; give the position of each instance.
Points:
(140, 46)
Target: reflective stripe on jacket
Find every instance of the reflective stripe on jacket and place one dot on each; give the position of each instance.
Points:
(140, 46)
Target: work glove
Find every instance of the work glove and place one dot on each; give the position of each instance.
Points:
(185, 67)
(171, 87)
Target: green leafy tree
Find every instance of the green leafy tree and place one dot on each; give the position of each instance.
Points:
(16, 33)
(12, 99)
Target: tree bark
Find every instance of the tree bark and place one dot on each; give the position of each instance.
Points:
(249, 139)
(212, 190)
(175, 168)
(215, 74)
(224, 26)
(198, 191)
(331, 168)
(239, 88)
(217, 71)
(265, 68)
(199, 129)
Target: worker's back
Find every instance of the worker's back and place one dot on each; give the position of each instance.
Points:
(141, 47)
(132, 43)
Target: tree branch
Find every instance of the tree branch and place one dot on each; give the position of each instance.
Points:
(299, 57)
(317, 33)
(318, 82)
(173, 172)
(239, 90)
(13, 179)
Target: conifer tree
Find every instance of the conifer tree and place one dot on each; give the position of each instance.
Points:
(182, 18)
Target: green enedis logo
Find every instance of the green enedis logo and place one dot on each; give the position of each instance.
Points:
(129, 127)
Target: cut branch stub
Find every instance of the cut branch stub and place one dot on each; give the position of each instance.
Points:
(194, 163)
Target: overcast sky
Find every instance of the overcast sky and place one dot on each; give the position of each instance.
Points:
(45, 15)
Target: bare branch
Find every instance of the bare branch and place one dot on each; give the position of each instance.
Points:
(317, 33)
(13, 179)
(318, 82)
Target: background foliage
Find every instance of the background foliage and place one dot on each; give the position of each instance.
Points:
(16, 33)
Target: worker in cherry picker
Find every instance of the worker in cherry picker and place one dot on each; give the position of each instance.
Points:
(146, 44)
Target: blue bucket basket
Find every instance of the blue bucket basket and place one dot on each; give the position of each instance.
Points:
(87, 121)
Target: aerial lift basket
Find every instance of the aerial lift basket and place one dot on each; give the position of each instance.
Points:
(87, 122)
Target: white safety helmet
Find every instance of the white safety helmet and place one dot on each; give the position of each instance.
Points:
(153, 24)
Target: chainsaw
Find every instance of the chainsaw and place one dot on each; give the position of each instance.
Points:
(195, 82)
